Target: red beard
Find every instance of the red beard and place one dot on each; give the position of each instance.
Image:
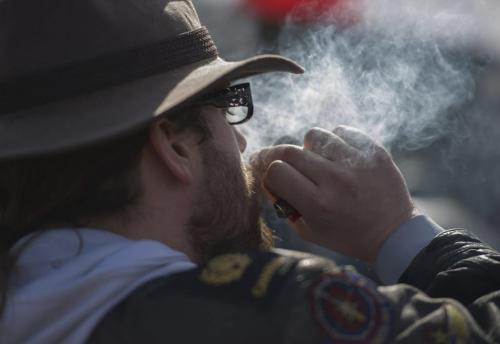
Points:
(226, 215)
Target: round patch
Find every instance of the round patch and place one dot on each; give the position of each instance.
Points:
(348, 307)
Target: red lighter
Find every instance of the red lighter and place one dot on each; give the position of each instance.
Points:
(285, 210)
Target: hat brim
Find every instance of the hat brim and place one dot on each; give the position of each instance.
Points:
(107, 113)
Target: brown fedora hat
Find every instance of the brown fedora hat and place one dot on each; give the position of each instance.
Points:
(75, 72)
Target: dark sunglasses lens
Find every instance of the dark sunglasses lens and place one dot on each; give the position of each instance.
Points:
(236, 96)
(237, 100)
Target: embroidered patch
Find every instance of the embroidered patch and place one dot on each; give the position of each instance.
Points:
(348, 307)
(225, 269)
(265, 277)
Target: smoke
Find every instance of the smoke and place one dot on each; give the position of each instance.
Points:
(401, 73)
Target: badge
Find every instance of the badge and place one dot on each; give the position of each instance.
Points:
(348, 308)
(225, 269)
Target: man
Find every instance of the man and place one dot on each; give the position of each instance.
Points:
(128, 216)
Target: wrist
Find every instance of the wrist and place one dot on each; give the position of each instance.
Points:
(387, 230)
(402, 246)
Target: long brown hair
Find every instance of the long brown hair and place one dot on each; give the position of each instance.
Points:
(72, 188)
(65, 189)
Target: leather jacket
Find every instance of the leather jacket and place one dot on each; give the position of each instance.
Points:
(289, 297)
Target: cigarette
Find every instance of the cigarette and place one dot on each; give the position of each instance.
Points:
(286, 211)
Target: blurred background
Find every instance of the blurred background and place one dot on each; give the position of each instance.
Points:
(423, 77)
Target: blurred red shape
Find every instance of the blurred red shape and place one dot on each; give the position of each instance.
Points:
(309, 11)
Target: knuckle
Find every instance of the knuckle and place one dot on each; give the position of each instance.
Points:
(311, 133)
(309, 137)
(289, 153)
(338, 129)
(262, 158)
(314, 134)
(341, 130)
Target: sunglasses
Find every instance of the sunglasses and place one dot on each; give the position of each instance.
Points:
(237, 100)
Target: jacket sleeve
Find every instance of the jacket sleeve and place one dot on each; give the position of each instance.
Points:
(455, 265)
(287, 297)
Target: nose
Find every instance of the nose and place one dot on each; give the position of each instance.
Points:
(242, 142)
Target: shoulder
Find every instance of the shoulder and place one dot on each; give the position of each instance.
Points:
(269, 296)
(247, 276)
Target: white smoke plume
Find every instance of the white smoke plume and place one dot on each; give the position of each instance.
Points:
(400, 73)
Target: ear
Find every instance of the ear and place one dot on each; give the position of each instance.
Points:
(172, 150)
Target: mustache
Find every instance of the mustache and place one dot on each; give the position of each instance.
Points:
(253, 177)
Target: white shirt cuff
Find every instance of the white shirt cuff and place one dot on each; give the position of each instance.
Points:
(399, 249)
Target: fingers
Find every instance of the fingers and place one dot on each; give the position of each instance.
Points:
(308, 163)
(356, 138)
(328, 145)
(283, 181)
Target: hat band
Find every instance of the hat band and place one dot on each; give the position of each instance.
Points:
(105, 71)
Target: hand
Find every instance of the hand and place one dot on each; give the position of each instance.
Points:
(346, 186)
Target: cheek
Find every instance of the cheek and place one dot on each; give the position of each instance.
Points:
(225, 136)
(230, 140)
(240, 139)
